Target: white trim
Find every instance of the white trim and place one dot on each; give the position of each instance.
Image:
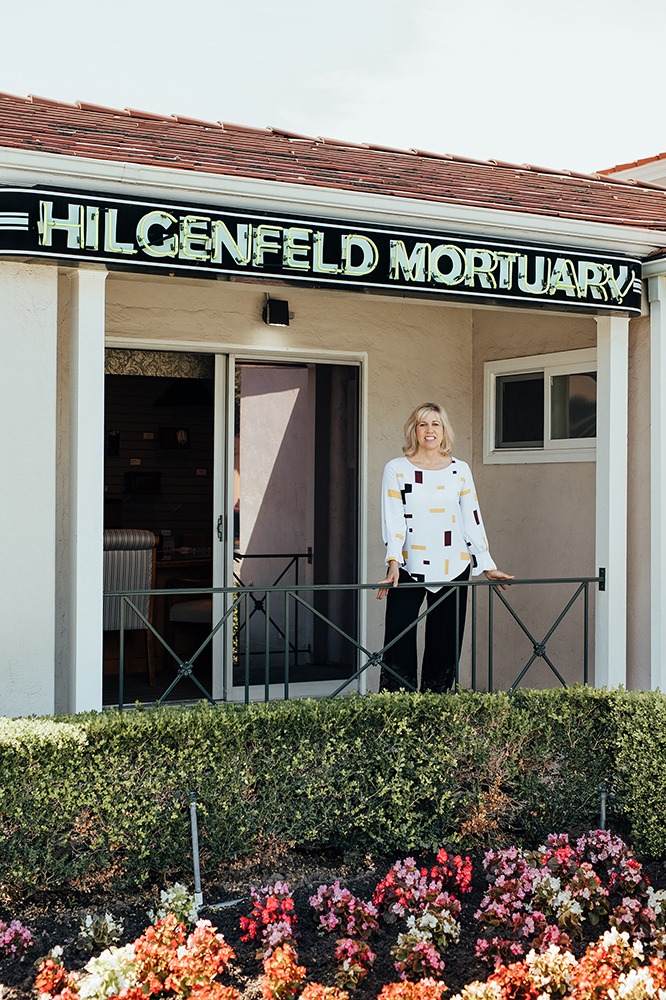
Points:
(30, 167)
(363, 449)
(611, 502)
(242, 352)
(657, 292)
(86, 488)
(653, 268)
(553, 450)
(643, 172)
(223, 502)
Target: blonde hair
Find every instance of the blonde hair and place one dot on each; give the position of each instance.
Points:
(411, 444)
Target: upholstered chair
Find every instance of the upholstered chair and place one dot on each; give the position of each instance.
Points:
(129, 564)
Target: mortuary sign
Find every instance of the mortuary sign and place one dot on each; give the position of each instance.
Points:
(140, 235)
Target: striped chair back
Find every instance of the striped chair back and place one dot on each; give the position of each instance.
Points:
(129, 564)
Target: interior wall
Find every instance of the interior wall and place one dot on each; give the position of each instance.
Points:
(540, 517)
(416, 351)
(141, 436)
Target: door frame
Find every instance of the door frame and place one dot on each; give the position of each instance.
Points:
(226, 356)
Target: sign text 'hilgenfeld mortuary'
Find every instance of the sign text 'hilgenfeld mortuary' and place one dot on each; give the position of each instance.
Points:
(140, 235)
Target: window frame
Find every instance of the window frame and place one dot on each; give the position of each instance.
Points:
(553, 449)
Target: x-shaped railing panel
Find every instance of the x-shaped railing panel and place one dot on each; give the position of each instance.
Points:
(539, 647)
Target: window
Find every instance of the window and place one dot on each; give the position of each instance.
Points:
(541, 409)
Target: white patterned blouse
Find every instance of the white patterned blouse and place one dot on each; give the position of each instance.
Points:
(431, 522)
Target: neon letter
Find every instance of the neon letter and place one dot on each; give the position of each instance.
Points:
(223, 238)
(457, 260)
(194, 244)
(111, 244)
(73, 225)
(263, 235)
(318, 263)
(168, 247)
(487, 264)
(369, 250)
(292, 251)
(414, 267)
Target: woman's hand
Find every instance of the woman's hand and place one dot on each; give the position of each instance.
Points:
(497, 574)
(391, 579)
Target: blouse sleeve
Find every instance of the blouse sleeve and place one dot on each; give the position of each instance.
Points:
(394, 529)
(473, 527)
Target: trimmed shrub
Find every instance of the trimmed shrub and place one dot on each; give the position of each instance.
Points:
(640, 776)
(100, 801)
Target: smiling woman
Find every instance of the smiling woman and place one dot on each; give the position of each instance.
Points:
(433, 531)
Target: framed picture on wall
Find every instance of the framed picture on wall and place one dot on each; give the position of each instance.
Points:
(174, 438)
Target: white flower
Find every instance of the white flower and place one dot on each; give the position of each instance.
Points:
(177, 899)
(479, 991)
(112, 972)
(637, 984)
(656, 900)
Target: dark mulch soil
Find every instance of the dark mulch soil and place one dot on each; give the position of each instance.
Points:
(52, 923)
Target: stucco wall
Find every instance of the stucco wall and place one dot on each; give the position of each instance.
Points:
(540, 517)
(62, 513)
(28, 326)
(415, 350)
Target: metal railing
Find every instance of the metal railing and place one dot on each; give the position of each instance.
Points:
(240, 602)
(259, 604)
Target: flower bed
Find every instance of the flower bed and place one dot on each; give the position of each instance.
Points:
(575, 918)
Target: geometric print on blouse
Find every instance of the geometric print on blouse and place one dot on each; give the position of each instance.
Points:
(431, 521)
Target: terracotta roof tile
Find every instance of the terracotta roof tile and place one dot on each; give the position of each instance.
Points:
(92, 131)
(634, 163)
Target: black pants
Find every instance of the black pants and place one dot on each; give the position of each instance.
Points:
(438, 671)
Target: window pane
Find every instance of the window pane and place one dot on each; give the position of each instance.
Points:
(519, 416)
(573, 406)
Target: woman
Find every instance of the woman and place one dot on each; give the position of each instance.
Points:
(433, 531)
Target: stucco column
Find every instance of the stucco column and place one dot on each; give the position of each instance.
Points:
(657, 293)
(86, 488)
(611, 499)
(28, 340)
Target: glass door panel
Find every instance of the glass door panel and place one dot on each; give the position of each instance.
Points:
(295, 520)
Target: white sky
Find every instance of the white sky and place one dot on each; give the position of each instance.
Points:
(570, 83)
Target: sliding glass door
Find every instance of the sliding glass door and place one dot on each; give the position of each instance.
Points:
(245, 473)
(291, 455)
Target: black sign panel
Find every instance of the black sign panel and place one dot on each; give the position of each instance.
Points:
(140, 235)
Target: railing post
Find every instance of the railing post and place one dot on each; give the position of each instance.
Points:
(490, 638)
(121, 655)
(247, 650)
(586, 633)
(267, 639)
(473, 638)
(296, 578)
(286, 645)
(457, 678)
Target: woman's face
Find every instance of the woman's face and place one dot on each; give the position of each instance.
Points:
(429, 432)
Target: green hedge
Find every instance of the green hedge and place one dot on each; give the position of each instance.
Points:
(100, 801)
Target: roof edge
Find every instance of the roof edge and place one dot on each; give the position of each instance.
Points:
(24, 167)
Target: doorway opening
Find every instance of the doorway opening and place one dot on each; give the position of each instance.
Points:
(292, 494)
(158, 479)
